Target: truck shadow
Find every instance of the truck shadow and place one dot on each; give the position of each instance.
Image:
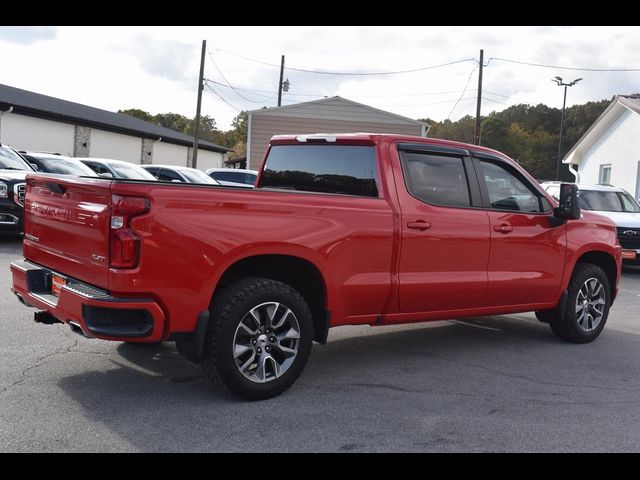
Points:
(157, 401)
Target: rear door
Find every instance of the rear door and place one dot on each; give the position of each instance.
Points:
(445, 231)
(67, 226)
(528, 245)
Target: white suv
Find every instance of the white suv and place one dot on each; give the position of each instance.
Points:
(614, 203)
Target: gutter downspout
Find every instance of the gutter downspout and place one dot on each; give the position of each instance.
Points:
(1, 114)
(575, 172)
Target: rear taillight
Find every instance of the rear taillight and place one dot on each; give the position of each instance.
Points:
(125, 244)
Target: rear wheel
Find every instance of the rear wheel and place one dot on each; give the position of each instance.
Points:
(588, 302)
(260, 338)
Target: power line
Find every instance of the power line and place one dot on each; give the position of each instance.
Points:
(353, 74)
(463, 92)
(251, 89)
(220, 96)
(559, 67)
(228, 84)
(318, 95)
(429, 103)
(494, 101)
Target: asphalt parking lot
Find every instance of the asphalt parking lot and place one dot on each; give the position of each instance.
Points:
(491, 384)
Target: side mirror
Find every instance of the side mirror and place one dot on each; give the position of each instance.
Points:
(568, 207)
(35, 167)
(106, 175)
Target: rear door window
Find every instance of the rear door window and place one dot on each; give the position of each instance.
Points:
(436, 179)
(339, 169)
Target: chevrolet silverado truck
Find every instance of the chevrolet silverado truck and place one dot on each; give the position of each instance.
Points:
(344, 229)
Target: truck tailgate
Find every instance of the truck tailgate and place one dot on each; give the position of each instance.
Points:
(66, 227)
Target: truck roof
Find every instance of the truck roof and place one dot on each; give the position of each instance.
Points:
(374, 138)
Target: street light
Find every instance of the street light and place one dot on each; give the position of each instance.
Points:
(560, 83)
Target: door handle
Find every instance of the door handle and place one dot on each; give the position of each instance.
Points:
(419, 225)
(504, 228)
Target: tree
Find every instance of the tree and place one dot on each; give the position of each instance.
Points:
(527, 133)
(137, 113)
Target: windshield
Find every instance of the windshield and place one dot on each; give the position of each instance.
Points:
(196, 176)
(131, 171)
(10, 160)
(64, 166)
(607, 201)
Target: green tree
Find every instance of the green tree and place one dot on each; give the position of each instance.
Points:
(137, 113)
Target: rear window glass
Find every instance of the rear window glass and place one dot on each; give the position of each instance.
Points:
(342, 169)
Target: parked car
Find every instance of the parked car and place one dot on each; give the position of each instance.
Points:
(616, 204)
(13, 170)
(110, 168)
(54, 163)
(234, 177)
(173, 173)
(348, 229)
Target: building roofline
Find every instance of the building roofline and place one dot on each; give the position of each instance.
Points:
(622, 100)
(352, 102)
(168, 135)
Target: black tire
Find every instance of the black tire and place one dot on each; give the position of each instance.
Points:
(229, 308)
(568, 328)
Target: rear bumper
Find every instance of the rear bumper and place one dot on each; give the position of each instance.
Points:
(96, 312)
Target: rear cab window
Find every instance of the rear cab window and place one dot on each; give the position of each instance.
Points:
(336, 169)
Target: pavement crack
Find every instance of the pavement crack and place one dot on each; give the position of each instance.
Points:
(37, 363)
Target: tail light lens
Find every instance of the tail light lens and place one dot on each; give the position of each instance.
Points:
(125, 243)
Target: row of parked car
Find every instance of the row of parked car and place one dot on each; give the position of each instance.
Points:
(59, 164)
(14, 165)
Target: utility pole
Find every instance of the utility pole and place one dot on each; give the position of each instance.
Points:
(196, 130)
(479, 102)
(280, 83)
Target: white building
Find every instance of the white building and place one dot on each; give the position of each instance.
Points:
(34, 122)
(328, 115)
(609, 152)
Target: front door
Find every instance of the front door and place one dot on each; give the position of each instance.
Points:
(528, 246)
(445, 232)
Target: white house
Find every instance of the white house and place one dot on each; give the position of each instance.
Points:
(34, 122)
(609, 152)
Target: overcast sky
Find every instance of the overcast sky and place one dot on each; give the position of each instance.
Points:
(156, 68)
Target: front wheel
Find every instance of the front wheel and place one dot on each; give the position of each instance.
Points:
(588, 302)
(260, 338)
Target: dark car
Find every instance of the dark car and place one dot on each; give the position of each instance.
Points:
(53, 163)
(13, 170)
(173, 173)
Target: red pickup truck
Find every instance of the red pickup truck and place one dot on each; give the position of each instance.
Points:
(341, 230)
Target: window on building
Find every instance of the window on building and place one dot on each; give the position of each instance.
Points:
(604, 178)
